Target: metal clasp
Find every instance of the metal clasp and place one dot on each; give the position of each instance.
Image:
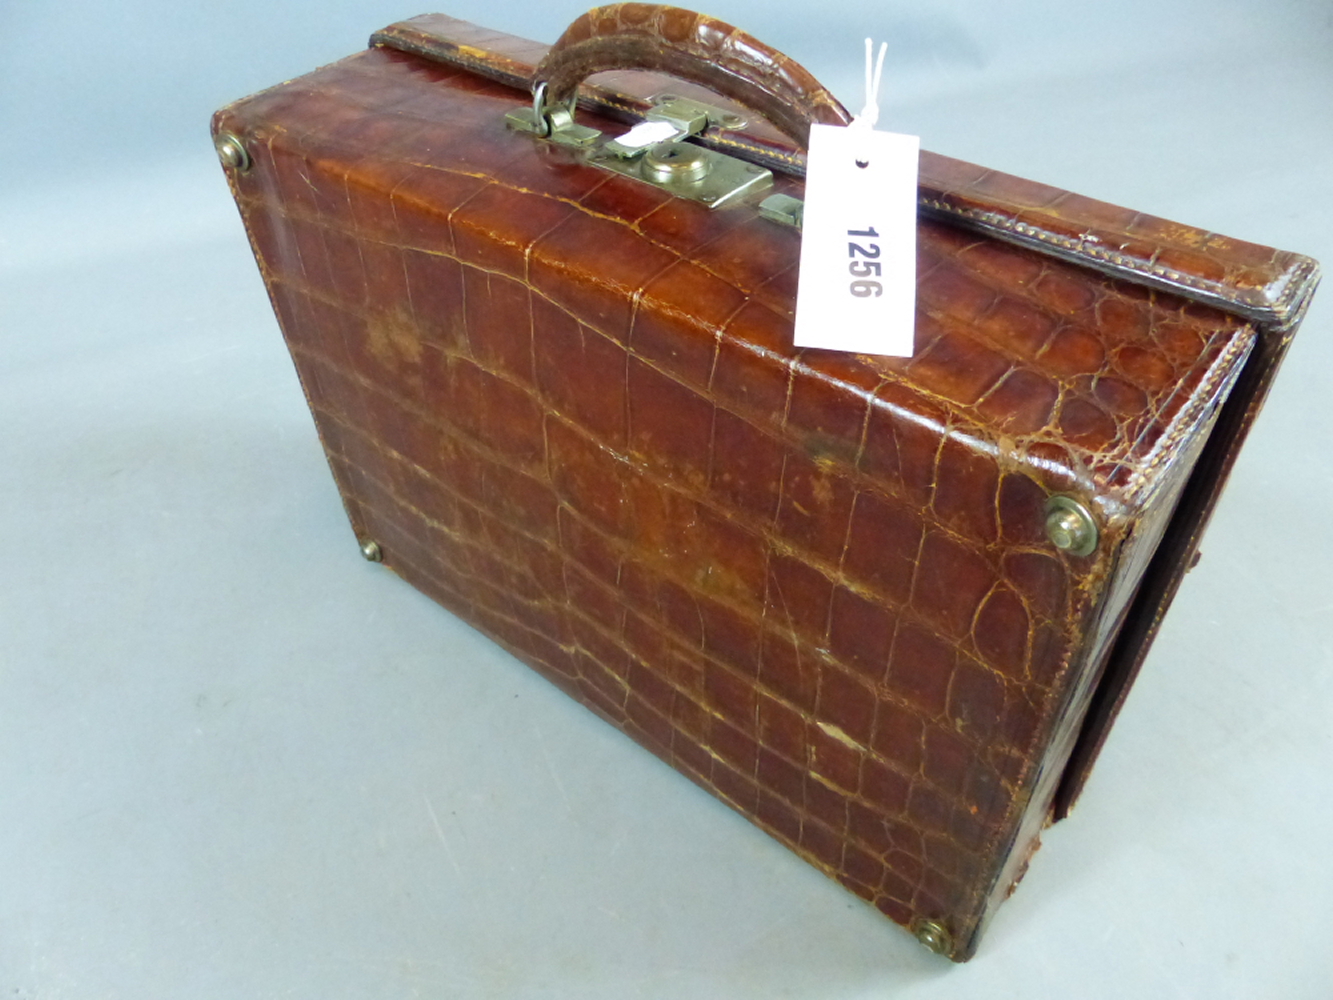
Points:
(669, 107)
(555, 123)
(656, 156)
(783, 209)
(683, 117)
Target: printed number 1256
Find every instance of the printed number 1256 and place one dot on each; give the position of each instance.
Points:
(862, 269)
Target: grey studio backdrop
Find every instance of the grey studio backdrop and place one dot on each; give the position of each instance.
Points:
(238, 761)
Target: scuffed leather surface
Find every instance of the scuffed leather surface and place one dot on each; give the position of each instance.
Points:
(693, 47)
(568, 408)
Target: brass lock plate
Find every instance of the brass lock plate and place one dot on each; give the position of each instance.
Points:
(682, 168)
(690, 171)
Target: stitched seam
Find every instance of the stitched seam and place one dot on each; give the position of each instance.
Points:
(1221, 371)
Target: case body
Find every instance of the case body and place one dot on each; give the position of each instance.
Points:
(564, 403)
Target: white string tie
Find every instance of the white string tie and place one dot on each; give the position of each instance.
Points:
(874, 70)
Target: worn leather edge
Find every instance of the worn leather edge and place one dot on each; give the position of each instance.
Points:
(266, 275)
(1175, 556)
(1135, 543)
(1275, 296)
(1178, 550)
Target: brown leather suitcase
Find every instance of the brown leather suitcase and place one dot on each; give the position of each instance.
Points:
(887, 609)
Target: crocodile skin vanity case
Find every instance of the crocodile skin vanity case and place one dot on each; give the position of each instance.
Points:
(885, 608)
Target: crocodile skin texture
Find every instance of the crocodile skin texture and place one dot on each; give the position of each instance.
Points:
(567, 407)
(1270, 287)
(691, 47)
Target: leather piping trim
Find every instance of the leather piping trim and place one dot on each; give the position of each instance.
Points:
(1298, 283)
(483, 63)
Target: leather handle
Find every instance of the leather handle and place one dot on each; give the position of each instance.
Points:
(693, 47)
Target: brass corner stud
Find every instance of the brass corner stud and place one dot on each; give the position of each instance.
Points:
(1070, 526)
(934, 936)
(231, 151)
(372, 551)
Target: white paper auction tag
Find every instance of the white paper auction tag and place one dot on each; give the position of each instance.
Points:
(648, 133)
(857, 285)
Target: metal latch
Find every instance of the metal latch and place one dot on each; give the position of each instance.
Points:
(554, 123)
(654, 151)
(691, 116)
(783, 209)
